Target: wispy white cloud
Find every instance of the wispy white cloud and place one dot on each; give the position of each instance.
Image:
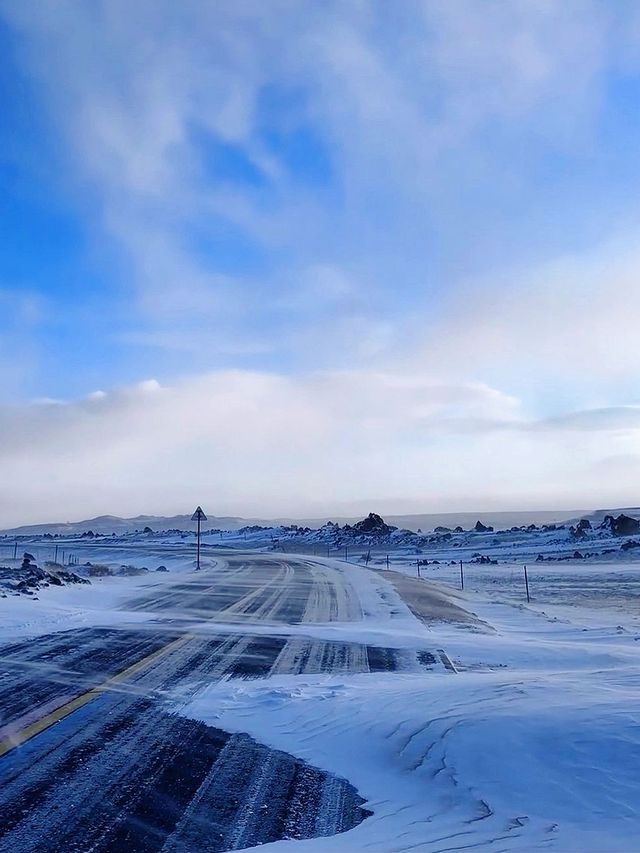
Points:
(398, 93)
(566, 328)
(426, 357)
(21, 315)
(250, 443)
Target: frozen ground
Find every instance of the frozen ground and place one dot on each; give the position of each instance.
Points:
(102, 602)
(529, 740)
(533, 744)
(604, 591)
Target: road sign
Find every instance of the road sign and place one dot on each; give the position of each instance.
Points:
(198, 515)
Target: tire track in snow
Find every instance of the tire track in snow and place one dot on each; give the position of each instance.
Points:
(104, 779)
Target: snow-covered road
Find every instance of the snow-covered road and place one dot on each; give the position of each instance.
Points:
(96, 757)
(309, 705)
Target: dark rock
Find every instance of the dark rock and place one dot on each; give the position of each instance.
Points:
(577, 532)
(372, 525)
(482, 528)
(623, 525)
(540, 558)
(628, 546)
(162, 569)
(71, 577)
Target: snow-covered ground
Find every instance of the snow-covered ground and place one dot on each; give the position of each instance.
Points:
(103, 601)
(532, 743)
(62, 608)
(606, 591)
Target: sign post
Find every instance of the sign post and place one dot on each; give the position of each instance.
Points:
(198, 516)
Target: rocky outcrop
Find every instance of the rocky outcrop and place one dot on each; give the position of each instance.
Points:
(483, 528)
(373, 525)
(483, 560)
(30, 578)
(623, 525)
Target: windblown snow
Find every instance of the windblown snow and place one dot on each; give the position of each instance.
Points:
(524, 737)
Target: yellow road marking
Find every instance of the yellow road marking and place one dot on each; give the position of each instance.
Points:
(22, 736)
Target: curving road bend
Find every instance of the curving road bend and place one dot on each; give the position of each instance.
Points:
(91, 757)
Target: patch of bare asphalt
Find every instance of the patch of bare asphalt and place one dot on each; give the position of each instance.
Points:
(432, 603)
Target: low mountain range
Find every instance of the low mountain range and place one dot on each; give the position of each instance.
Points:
(108, 524)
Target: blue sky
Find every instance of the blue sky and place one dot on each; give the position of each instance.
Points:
(414, 222)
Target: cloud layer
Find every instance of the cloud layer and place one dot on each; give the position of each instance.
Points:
(314, 444)
(233, 150)
(369, 251)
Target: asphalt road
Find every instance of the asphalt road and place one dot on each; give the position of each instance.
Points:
(92, 758)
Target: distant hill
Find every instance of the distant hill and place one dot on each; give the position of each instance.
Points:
(108, 524)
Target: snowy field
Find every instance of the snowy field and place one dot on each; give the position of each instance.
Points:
(608, 592)
(529, 741)
(532, 744)
(103, 602)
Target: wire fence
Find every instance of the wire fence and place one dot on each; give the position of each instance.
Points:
(41, 553)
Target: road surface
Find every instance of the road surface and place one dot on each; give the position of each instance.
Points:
(92, 757)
